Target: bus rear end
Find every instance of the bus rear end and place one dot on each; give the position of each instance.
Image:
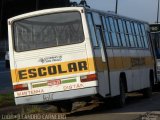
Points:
(50, 56)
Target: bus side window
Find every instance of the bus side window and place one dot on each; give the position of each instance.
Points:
(109, 30)
(126, 33)
(121, 29)
(137, 35)
(134, 34)
(132, 43)
(113, 34)
(141, 36)
(118, 32)
(144, 35)
(92, 30)
(106, 32)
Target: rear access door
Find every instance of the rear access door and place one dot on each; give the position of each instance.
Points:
(100, 54)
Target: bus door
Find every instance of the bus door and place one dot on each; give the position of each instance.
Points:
(102, 64)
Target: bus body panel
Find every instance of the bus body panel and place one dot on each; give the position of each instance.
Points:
(57, 96)
(101, 59)
(78, 70)
(135, 63)
(42, 84)
(53, 70)
(101, 69)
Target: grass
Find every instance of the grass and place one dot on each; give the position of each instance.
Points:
(8, 107)
(6, 100)
(33, 109)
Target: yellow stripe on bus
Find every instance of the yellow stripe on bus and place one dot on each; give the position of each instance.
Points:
(124, 63)
(53, 70)
(80, 66)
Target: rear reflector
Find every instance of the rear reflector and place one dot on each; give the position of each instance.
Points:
(89, 78)
(20, 87)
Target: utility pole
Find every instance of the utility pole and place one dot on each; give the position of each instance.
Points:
(158, 12)
(37, 4)
(116, 9)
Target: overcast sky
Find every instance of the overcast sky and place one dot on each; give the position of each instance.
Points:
(140, 9)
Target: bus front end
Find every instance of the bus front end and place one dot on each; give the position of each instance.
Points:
(155, 39)
(50, 56)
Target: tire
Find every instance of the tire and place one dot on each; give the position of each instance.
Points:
(147, 92)
(64, 107)
(121, 99)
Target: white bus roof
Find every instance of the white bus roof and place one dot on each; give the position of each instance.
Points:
(47, 11)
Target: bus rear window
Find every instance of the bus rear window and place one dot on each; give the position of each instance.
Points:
(49, 30)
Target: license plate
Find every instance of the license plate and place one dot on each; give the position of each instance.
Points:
(54, 82)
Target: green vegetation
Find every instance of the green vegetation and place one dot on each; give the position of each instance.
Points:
(6, 100)
(33, 109)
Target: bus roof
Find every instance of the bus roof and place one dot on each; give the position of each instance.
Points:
(47, 11)
(112, 13)
(43, 12)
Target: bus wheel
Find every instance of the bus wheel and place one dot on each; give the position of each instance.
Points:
(147, 92)
(64, 107)
(121, 99)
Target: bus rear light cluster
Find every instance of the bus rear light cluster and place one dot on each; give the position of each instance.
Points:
(20, 87)
(88, 78)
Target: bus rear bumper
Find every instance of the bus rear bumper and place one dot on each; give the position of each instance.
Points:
(49, 97)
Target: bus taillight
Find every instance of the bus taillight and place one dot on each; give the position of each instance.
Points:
(20, 87)
(88, 78)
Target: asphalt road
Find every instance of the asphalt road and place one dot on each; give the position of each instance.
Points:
(5, 79)
(137, 108)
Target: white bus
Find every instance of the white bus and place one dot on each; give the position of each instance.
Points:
(155, 39)
(66, 54)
